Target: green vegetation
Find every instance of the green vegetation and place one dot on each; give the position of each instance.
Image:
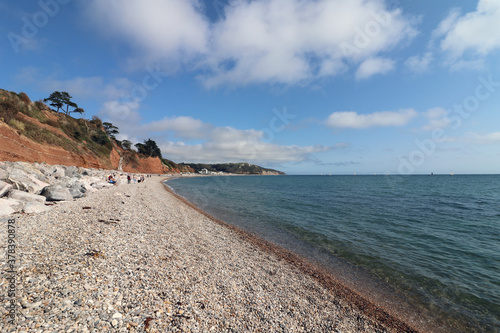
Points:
(60, 99)
(148, 148)
(69, 133)
(110, 129)
(53, 127)
(127, 145)
(8, 110)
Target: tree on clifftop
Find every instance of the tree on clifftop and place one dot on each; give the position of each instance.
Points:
(60, 99)
(110, 129)
(126, 144)
(148, 148)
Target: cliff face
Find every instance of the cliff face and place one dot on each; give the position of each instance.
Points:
(31, 132)
(16, 147)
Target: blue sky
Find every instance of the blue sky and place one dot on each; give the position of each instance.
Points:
(307, 87)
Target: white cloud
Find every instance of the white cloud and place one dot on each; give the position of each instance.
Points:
(239, 151)
(170, 29)
(192, 140)
(373, 66)
(223, 144)
(124, 114)
(94, 87)
(349, 119)
(437, 119)
(260, 41)
(182, 127)
(289, 41)
(419, 64)
(473, 35)
(90, 87)
(489, 138)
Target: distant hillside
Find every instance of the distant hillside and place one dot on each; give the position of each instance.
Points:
(235, 168)
(32, 132)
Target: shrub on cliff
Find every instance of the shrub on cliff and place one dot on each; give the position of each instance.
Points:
(101, 138)
(96, 121)
(8, 110)
(24, 98)
(149, 148)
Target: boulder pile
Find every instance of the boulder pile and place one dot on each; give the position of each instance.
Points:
(33, 187)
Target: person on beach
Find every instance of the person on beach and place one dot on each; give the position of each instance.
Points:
(128, 179)
(135, 179)
(112, 180)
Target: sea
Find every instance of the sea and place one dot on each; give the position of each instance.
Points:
(424, 246)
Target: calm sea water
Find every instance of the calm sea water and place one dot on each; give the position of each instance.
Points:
(433, 239)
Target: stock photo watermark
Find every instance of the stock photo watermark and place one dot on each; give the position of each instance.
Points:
(11, 272)
(32, 24)
(470, 104)
(151, 81)
(366, 35)
(277, 123)
(363, 37)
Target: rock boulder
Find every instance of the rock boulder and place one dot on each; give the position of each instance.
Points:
(5, 208)
(35, 207)
(72, 172)
(77, 189)
(4, 174)
(5, 188)
(23, 181)
(57, 172)
(57, 193)
(27, 197)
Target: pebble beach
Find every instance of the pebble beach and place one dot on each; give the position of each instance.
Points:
(137, 258)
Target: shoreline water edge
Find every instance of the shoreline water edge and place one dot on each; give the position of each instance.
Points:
(138, 257)
(321, 275)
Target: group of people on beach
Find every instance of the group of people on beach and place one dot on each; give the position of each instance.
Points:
(134, 178)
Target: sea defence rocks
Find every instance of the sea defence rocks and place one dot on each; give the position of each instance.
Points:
(35, 207)
(6, 208)
(26, 197)
(4, 188)
(23, 181)
(57, 193)
(77, 189)
(28, 187)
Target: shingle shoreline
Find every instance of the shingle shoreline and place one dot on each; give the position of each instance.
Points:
(137, 258)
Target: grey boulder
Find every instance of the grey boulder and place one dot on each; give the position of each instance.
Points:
(57, 172)
(23, 181)
(35, 207)
(5, 208)
(28, 197)
(4, 188)
(57, 193)
(77, 190)
(4, 174)
(72, 172)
